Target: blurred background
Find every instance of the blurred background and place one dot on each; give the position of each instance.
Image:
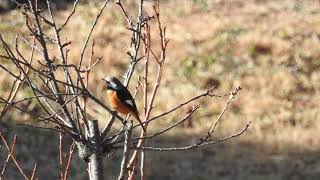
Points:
(269, 48)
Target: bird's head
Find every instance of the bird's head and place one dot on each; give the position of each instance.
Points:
(112, 82)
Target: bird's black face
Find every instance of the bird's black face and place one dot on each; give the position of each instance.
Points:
(109, 86)
(113, 83)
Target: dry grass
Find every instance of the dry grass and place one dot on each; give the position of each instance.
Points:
(270, 48)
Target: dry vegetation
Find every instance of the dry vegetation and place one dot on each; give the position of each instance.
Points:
(270, 48)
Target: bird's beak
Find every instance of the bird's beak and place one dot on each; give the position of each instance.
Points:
(103, 79)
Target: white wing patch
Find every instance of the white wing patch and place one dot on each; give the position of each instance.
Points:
(129, 102)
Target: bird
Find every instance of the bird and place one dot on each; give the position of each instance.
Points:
(120, 98)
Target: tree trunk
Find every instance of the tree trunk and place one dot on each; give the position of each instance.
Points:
(95, 165)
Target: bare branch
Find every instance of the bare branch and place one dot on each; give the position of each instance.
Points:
(91, 30)
(70, 15)
(33, 175)
(124, 13)
(231, 98)
(133, 160)
(125, 155)
(67, 169)
(39, 127)
(53, 83)
(60, 156)
(207, 93)
(194, 108)
(10, 152)
(13, 157)
(194, 146)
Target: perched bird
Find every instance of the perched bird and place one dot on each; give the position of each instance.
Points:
(120, 98)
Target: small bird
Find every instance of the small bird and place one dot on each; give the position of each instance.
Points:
(120, 98)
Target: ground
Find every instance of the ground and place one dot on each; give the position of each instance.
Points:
(269, 48)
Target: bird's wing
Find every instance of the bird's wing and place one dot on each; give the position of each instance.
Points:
(125, 97)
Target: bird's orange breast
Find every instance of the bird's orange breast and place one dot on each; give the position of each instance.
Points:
(116, 103)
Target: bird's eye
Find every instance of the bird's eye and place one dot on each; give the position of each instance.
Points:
(108, 84)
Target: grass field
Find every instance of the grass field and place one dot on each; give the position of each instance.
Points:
(269, 48)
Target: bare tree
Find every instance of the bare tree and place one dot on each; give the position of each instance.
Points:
(63, 101)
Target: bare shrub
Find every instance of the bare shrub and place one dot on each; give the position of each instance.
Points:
(60, 90)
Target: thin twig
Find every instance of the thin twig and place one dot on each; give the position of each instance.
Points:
(231, 98)
(207, 93)
(13, 157)
(33, 176)
(119, 3)
(125, 155)
(194, 108)
(70, 15)
(91, 30)
(67, 169)
(194, 146)
(60, 155)
(39, 127)
(10, 152)
(134, 157)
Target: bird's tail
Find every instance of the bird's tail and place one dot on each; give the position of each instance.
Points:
(136, 115)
